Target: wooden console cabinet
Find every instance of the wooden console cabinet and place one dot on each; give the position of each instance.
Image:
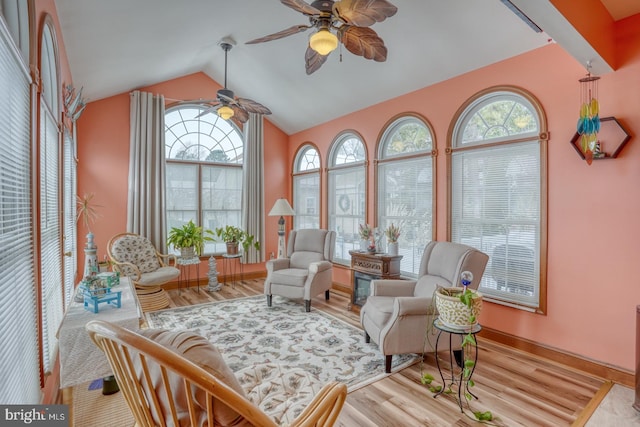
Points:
(366, 267)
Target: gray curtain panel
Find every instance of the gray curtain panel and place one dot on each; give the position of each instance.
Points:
(146, 200)
(253, 177)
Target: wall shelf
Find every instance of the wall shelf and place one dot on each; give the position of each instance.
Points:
(612, 137)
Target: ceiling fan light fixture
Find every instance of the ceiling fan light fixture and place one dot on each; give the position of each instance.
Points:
(323, 41)
(225, 112)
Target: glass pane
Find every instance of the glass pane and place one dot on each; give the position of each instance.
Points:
(406, 135)
(306, 201)
(308, 159)
(405, 195)
(347, 203)
(349, 150)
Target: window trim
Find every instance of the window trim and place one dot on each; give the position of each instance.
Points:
(543, 138)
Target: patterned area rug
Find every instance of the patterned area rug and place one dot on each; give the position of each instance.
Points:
(248, 332)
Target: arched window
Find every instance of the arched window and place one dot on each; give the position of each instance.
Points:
(406, 187)
(50, 226)
(498, 198)
(204, 170)
(347, 197)
(306, 188)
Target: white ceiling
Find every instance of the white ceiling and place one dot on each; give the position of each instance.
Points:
(116, 46)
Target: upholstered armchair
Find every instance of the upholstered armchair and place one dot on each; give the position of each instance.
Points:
(307, 270)
(178, 378)
(136, 257)
(397, 312)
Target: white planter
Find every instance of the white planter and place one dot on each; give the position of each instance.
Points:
(187, 252)
(392, 248)
(452, 312)
(364, 245)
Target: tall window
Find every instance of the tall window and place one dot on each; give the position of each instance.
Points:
(347, 193)
(69, 190)
(406, 187)
(306, 188)
(19, 370)
(204, 170)
(498, 205)
(50, 228)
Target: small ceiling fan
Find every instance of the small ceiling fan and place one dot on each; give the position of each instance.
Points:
(226, 104)
(349, 19)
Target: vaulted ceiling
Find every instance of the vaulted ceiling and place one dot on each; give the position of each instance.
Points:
(116, 46)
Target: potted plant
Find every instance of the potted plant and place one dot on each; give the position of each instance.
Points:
(366, 233)
(234, 236)
(458, 309)
(188, 239)
(393, 233)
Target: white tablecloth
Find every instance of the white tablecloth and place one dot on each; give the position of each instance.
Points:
(80, 360)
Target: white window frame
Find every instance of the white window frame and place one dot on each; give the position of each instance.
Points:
(516, 273)
(347, 208)
(417, 225)
(202, 136)
(306, 188)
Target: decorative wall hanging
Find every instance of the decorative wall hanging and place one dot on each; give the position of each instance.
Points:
(589, 121)
(612, 137)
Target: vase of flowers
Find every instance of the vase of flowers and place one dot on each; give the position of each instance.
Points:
(392, 233)
(366, 232)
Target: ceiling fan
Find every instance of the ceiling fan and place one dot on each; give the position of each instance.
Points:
(226, 104)
(349, 19)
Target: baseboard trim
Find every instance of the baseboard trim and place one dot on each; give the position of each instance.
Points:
(598, 369)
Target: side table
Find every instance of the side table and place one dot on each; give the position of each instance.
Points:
(452, 378)
(184, 265)
(230, 267)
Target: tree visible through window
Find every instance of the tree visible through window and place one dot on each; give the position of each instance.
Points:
(498, 201)
(204, 170)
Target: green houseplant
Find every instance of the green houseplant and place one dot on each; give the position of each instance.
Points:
(234, 236)
(458, 309)
(188, 239)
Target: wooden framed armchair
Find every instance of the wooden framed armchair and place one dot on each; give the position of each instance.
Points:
(136, 257)
(179, 378)
(398, 312)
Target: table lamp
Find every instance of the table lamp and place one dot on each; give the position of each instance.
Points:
(281, 208)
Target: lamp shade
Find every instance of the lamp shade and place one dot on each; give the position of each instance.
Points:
(282, 208)
(323, 41)
(225, 112)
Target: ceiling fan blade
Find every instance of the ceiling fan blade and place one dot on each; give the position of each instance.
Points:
(301, 6)
(252, 106)
(211, 109)
(364, 42)
(239, 113)
(280, 34)
(313, 60)
(364, 13)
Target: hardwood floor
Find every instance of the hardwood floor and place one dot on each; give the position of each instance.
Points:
(518, 388)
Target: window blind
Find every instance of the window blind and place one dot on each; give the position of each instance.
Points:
(50, 245)
(306, 200)
(70, 239)
(19, 370)
(496, 208)
(347, 207)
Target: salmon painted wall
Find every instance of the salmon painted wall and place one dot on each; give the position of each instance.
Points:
(103, 152)
(593, 230)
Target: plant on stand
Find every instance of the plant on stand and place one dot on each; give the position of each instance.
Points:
(188, 239)
(458, 309)
(234, 236)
